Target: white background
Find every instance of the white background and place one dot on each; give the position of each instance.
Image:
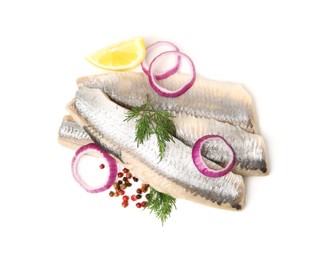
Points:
(275, 48)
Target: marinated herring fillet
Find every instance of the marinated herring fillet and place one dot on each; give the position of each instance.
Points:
(224, 101)
(251, 158)
(72, 135)
(175, 174)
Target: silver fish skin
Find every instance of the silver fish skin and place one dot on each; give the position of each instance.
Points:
(70, 129)
(224, 101)
(175, 174)
(74, 136)
(71, 134)
(251, 157)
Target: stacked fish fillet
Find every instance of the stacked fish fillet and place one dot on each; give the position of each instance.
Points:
(97, 115)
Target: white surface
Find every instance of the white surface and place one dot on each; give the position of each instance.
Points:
(276, 49)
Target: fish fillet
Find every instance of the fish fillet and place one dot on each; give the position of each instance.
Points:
(176, 174)
(251, 158)
(72, 135)
(224, 101)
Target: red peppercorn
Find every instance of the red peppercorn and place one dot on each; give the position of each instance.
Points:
(102, 166)
(125, 204)
(133, 197)
(125, 170)
(120, 174)
(111, 193)
(121, 192)
(135, 179)
(139, 191)
(143, 204)
(138, 205)
(125, 198)
(128, 175)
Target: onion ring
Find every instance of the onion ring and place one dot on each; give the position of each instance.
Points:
(165, 92)
(111, 163)
(200, 164)
(168, 73)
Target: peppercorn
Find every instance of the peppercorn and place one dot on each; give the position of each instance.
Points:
(143, 185)
(125, 179)
(147, 196)
(133, 198)
(125, 204)
(116, 194)
(125, 198)
(125, 170)
(119, 182)
(138, 205)
(129, 184)
(128, 175)
(138, 196)
(143, 204)
(111, 193)
(121, 192)
(120, 174)
(102, 166)
(139, 191)
(135, 179)
(123, 186)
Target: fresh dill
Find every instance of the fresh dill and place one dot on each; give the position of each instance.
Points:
(150, 121)
(161, 204)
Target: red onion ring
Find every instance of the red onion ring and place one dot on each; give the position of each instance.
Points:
(111, 163)
(168, 73)
(165, 92)
(200, 164)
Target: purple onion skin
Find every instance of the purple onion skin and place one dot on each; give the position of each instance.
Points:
(169, 72)
(165, 92)
(201, 166)
(111, 163)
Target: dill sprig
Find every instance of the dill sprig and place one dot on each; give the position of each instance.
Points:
(161, 204)
(151, 121)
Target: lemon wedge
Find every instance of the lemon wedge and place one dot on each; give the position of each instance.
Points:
(119, 56)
